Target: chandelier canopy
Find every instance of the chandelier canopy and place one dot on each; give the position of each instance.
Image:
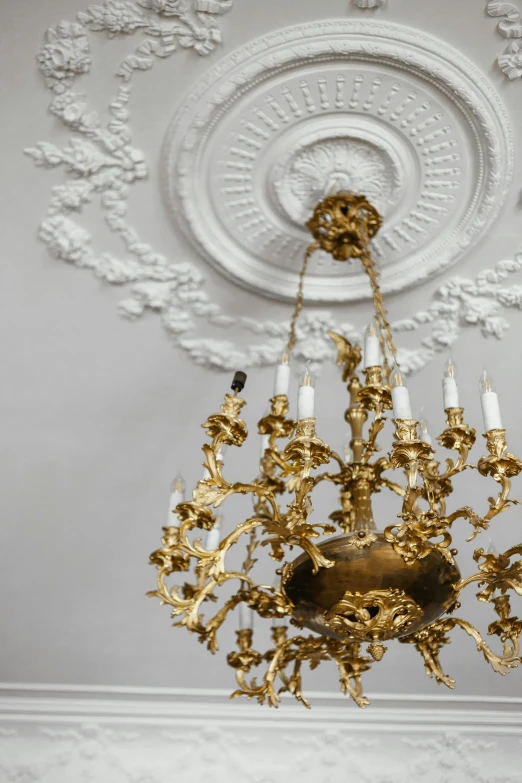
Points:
(366, 586)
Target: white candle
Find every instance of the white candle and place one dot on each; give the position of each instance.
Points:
(213, 536)
(246, 617)
(282, 376)
(372, 348)
(280, 622)
(490, 406)
(450, 391)
(305, 397)
(265, 444)
(400, 396)
(177, 495)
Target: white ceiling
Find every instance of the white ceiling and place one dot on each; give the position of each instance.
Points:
(101, 411)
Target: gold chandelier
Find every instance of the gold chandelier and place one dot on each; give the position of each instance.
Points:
(364, 587)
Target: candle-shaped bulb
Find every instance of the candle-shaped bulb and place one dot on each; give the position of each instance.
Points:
(450, 369)
(400, 395)
(489, 403)
(396, 377)
(178, 485)
(372, 348)
(450, 392)
(308, 378)
(424, 434)
(486, 383)
(282, 376)
(246, 617)
(177, 495)
(492, 549)
(213, 536)
(306, 395)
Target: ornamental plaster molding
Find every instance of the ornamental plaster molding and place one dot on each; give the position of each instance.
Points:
(322, 107)
(509, 26)
(102, 167)
(370, 3)
(131, 736)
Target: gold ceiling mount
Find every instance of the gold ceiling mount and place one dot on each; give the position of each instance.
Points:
(343, 224)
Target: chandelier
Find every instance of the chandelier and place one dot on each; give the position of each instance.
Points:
(362, 588)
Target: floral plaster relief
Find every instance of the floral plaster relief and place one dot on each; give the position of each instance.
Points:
(102, 165)
(509, 26)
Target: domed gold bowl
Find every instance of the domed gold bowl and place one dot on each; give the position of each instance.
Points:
(370, 593)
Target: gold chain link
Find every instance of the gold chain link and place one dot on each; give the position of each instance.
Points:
(299, 300)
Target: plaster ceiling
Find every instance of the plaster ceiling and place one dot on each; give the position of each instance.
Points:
(108, 371)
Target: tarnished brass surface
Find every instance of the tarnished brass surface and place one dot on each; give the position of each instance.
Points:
(429, 582)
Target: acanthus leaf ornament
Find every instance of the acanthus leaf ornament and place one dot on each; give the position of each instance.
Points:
(364, 586)
(510, 27)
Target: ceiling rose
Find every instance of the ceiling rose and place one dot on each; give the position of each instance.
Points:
(324, 108)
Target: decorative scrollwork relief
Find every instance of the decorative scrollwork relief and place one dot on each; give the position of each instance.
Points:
(509, 26)
(102, 166)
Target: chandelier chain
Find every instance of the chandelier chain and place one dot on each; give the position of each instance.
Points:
(380, 312)
(299, 299)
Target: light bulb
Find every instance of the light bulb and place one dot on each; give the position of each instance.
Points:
(396, 377)
(492, 550)
(486, 383)
(489, 403)
(308, 378)
(450, 392)
(305, 396)
(450, 369)
(178, 484)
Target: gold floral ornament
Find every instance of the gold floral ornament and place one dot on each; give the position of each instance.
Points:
(343, 225)
(364, 586)
(373, 617)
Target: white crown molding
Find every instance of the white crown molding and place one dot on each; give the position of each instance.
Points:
(101, 166)
(509, 26)
(370, 3)
(59, 733)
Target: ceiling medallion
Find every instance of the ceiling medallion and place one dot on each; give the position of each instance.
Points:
(364, 587)
(328, 107)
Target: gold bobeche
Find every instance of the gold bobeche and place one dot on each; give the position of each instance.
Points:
(363, 587)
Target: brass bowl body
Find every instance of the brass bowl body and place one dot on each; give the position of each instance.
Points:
(429, 582)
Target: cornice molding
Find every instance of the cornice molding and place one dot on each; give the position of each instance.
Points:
(132, 735)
